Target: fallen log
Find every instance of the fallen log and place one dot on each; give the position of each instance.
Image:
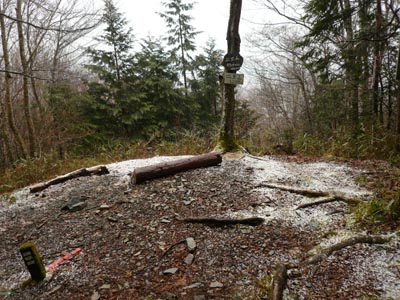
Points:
(98, 170)
(364, 239)
(143, 174)
(216, 222)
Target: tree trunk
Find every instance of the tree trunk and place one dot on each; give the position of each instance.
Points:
(377, 57)
(352, 66)
(226, 140)
(24, 64)
(7, 96)
(183, 56)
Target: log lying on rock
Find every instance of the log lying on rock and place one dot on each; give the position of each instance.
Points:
(216, 222)
(97, 170)
(143, 174)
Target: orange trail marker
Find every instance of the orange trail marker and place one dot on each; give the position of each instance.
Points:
(52, 267)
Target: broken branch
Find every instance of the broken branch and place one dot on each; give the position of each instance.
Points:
(364, 239)
(98, 170)
(329, 200)
(306, 193)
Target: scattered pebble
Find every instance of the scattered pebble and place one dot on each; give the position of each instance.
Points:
(191, 244)
(216, 284)
(189, 259)
(170, 271)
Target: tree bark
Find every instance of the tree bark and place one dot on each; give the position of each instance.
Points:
(7, 96)
(143, 174)
(24, 64)
(279, 282)
(364, 239)
(98, 170)
(226, 141)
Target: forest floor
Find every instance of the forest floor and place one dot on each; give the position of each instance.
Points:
(133, 238)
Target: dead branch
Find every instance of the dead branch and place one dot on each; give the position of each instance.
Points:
(98, 170)
(364, 239)
(215, 222)
(330, 199)
(172, 247)
(306, 193)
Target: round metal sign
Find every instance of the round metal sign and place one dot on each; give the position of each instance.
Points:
(232, 62)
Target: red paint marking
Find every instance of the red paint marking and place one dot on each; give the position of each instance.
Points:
(52, 267)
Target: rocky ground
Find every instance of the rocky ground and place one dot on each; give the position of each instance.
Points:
(136, 246)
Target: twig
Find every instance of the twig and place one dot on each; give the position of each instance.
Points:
(171, 247)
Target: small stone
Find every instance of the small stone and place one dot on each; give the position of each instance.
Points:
(95, 296)
(187, 202)
(78, 206)
(189, 259)
(112, 219)
(170, 271)
(272, 252)
(165, 221)
(191, 244)
(105, 287)
(216, 284)
(199, 297)
(193, 286)
(104, 207)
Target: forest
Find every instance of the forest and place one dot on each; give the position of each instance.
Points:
(144, 169)
(325, 83)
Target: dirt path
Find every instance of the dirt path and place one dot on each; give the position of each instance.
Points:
(128, 236)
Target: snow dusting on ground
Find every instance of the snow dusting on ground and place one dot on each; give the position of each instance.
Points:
(382, 263)
(324, 177)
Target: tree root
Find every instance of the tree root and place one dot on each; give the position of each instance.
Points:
(330, 199)
(280, 276)
(306, 193)
(215, 222)
(279, 282)
(363, 239)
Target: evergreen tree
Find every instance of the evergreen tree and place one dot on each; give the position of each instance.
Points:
(206, 88)
(112, 105)
(158, 78)
(181, 33)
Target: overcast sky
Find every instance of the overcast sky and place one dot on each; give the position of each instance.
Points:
(209, 16)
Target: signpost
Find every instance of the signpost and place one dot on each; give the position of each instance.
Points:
(232, 62)
(233, 78)
(33, 261)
